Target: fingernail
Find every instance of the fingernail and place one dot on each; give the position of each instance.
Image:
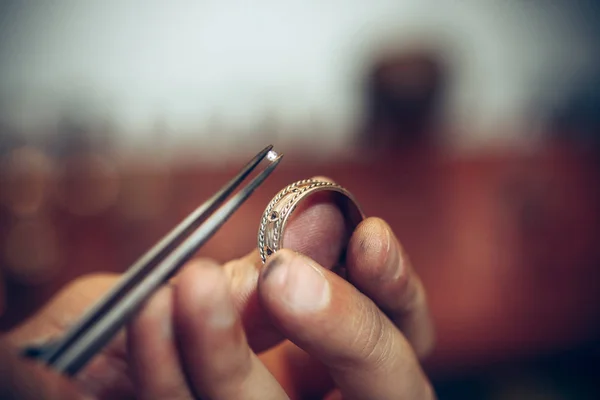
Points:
(272, 264)
(304, 288)
(392, 270)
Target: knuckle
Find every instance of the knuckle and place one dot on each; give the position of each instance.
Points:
(373, 341)
(235, 271)
(232, 370)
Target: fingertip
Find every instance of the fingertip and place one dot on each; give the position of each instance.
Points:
(272, 276)
(203, 296)
(373, 252)
(371, 240)
(156, 313)
(192, 281)
(292, 284)
(317, 229)
(274, 262)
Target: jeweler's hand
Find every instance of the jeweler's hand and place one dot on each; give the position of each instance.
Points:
(200, 335)
(353, 331)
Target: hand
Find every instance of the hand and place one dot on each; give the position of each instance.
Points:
(199, 336)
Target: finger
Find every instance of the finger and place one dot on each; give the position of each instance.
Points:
(213, 347)
(335, 323)
(243, 276)
(301, 376)
(378, 266)
(317, 229)
(154, 359)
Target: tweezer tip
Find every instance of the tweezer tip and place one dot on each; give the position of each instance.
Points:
(273, 156)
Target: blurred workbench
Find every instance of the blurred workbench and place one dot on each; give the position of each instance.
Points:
(507, 242)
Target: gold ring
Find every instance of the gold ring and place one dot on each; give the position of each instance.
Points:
(277, 213)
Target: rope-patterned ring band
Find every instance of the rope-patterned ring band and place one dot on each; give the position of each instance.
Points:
(277, 213)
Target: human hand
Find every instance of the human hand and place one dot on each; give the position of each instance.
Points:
(199, 336)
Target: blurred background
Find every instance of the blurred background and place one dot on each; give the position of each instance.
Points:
(472, 127)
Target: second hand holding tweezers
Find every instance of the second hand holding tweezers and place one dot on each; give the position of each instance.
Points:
(99, 325)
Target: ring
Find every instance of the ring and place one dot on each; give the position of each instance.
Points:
(277, 213)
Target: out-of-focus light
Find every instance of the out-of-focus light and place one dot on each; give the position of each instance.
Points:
(27, 175)
(31, 252)
(145, 192)
(88, 184)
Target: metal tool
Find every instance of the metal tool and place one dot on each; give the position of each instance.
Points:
(101, 323)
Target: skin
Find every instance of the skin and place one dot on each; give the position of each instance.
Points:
(291, 328)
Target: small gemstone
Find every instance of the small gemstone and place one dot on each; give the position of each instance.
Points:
(272, 155)
(269, 251)
(274, 216)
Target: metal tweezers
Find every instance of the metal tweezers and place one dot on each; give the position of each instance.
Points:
(101, 322)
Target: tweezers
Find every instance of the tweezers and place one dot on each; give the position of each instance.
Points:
(88, 336)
